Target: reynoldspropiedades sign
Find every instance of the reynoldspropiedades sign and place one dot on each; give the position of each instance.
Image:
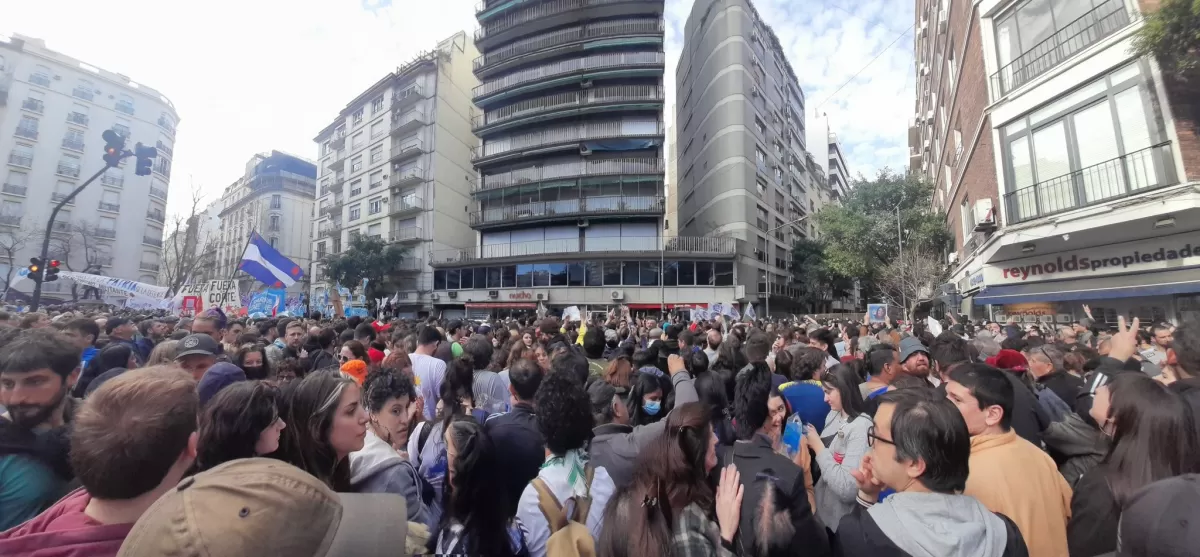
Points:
(1172, 252)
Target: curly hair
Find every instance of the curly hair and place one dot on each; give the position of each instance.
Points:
(564, 415)
(232, 421)
(239, 359)
(384, 384)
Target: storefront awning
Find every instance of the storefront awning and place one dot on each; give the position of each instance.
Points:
(502, 305)
(1182, 281)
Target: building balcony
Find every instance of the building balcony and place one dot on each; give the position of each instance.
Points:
(78, 119)
(338, 161)
(408, 177)
(156, 216)
(404, 123)
(57, 197)
(570, 169)
(566, 135)
(569, 209)
(406, 205)
(68, 170)
(166, 125)
(407, 234)
(554, 74)
(505, 21)
(1089, 29)
(25, 161)
(26, 132)
(125, 107)
(411, 265)
(332, 209)
(103, 233)
(570, 104)
(159, 193)
(1131, 174)
(152, 241)
(35, 106)
(329, 231)
(561, 41)
(10, 220)
(408, 151)
(72, 144)
(338, 184)
(82, 93)
(114, 181)
(14, 189)
(407, 97)
(163, 149)
(39, 79)
(673, 247)
(110, 207)
(102, 260)
(150, 267)
(338, 140)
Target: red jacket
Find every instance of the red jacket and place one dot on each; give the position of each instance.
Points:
(64, 531)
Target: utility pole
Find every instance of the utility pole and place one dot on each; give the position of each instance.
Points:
(900, 255)
(114, 153)
(767, 275)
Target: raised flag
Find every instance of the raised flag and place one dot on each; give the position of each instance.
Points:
(266, 264)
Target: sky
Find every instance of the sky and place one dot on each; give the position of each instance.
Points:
(249, 76)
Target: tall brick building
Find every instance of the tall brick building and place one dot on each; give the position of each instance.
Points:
(1066, 166)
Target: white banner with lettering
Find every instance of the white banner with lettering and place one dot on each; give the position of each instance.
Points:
(116, 285)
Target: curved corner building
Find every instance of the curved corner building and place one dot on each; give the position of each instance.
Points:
(569, 203)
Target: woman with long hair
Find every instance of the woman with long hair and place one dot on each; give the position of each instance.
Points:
(710, 388)
(475, 520)
(845, 431)
(381, 466)
(163, 353)
(669, 508)
(426, 447)
(241, 421)
(252, 358)
(1153, 436)
(649, 396)
(618, 372)
(353, 350)
(327, 422)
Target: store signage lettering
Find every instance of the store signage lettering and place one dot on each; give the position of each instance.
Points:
(1132, 256)
(520, 296)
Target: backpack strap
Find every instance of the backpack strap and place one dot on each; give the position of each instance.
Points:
(584, 504)
(551, 508)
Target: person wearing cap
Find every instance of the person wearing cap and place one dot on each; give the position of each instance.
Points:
(217, 377)
(263, 507)
(1008, 474)
(914, 357)
(120, 331)
(131, 442)
(197, 353)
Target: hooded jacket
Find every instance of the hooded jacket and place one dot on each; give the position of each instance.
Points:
(64, 531)
(616, 446)
(927, 525)
(378, 468)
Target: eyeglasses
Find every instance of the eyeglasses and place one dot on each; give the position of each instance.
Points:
(872, 438)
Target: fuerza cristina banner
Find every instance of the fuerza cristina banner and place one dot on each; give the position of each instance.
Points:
(1095, 263)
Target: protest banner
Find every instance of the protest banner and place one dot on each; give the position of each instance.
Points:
(221, 294)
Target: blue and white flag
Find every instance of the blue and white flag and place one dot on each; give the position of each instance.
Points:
(266, 264)
(750, 312)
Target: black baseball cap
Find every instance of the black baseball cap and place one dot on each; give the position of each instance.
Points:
(113, 323)
(192, 345)
(1156, 520)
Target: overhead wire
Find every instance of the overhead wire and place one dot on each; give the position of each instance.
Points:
(861, 70)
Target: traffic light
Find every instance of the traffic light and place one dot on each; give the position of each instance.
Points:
(35, 269)
(145, 158)
(51, 271)
(114, 146)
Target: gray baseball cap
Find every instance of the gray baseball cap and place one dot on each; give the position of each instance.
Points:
(193, 345)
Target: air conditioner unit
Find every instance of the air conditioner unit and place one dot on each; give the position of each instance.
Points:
(435, 296)
(617, 294)
(754, 91)
(584, 150)
(540, 297)
(985, 215)
(582, 223)
(924, 69)
(929, 116)
(452, 294)
(943, 20)
(493, 294)
(952, 258)
(923, 28)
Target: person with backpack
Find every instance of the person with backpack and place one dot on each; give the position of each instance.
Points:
(427, 443)
(562, 509)
(771, 482)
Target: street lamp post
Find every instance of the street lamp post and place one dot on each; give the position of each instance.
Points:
(767, 275)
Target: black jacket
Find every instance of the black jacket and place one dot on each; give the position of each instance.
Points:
(859, 536)
(321, 359)
(765, 473)
(1095, 515)
(1065, 385)
(520, 449)
(1109, 367)
(1189, 389)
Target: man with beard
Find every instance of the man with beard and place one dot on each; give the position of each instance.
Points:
(37, 368)
(914, 357)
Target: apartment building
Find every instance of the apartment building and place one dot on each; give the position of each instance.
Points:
(197, 238)
(274, 198)
(839, 177)
(1096, 163)
(745, 172)
(53, 110)
(396, 164)
(570, 204)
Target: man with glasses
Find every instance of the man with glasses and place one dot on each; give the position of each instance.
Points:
(1046, 367)
(919, 447)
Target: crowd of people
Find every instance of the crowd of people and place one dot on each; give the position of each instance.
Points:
(140, 435)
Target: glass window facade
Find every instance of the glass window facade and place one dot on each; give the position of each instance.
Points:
(587, 273)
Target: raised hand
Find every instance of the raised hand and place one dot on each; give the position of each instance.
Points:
(1124, 342)
(729, 502)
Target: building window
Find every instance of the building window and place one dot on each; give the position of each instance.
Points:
(356, 141)
(965, 218)
(758, 125)
(377, 130)
(377, 105)
(375, 206)
(356, 164)
(274, 226)
(376, 154)
(1040, 34)
(759, 156)
(276, 201)
(376, 179)
(355, 187)
(355, 212)
(358, 117)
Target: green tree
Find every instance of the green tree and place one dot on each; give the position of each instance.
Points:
(819, 285)
(365, 257)
(1172, 35)
(860, 235)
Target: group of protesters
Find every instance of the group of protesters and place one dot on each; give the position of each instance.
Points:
(149, 434)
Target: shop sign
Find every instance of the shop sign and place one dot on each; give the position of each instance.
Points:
(520, 295)
(1172, 252)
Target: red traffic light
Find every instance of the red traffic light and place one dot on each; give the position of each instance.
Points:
(53, 263)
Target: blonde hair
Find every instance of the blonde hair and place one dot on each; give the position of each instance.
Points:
(163, 354)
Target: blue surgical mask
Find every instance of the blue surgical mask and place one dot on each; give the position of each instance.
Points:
(651, 407)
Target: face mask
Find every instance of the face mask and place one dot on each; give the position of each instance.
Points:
(652, 407)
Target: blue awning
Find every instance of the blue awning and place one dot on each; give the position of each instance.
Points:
(1180, 281)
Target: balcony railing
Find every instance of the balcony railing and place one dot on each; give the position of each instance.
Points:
(408, 176)
(407, 122)
(33, 105)
(408, 150)
(572, 65)
(568, 100)
(104, 260)
(115, 181)
(40, 79)
(20, 160)
(406, 234)
(72, 144)
(156, 216)
(81, 93)
(407, 204)
(567, 133)
(68, 170)
(26, 132)
(567, 36)
(159, 193)
(152, 241)
(125, 107)
(10, 220)
(163, 149)
(328, 231)
(1088, 29)
(60, 226)
(571, 169)
(110, 207)
(152, 267)
(338, 140)
(411, 264)
(338, 161)
(56, 197)
(618, 204)
(77, 118)
(534, 12)
(409, 95)
(106, 233)
(331, 209)
(15, 189)
(1135, 172)
(166, 124)
(671, 246)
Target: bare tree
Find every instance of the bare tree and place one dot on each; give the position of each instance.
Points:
(79, 248)
(911, 277)
(189, 250)
(12, 242)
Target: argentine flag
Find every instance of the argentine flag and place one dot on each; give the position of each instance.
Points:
(266, 264)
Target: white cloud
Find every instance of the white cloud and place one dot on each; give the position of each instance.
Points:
(246, 76)
(826, 42)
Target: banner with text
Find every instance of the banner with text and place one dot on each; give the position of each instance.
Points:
(1169, 252)
(212, 294)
